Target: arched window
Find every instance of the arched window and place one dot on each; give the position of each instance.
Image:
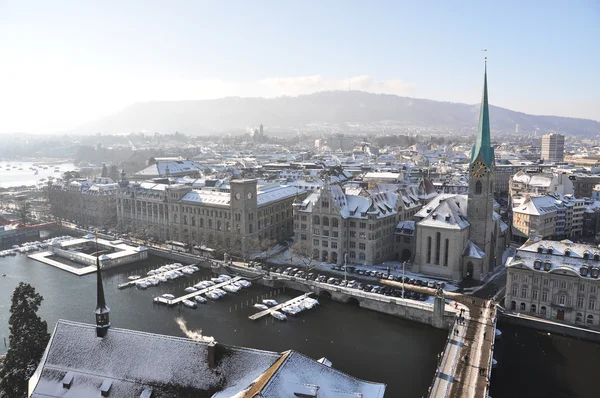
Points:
(362, 256)
(590, 319)
(325, 221)
(227, 226)
(193, 221)
(561, 299)
(513, 305)
(334, 222)
(522, 307)
(175, 218)
(438, 242)
(543, 310)
(563, 284)
(184, 219)
(202, 223)
(210, 224)
(533, 308)
(478, 187)
(316, 220)
(429, 250)
(219, 225)
(579, 317)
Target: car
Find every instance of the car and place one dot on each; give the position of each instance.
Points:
(430, 284)
(322, 278)
(294, 270)
(391, 277)
(418, 282)
(299, 274)
(310, 275)
(360, 286)
(412, 281)
(331, 281)
(343, 282)
(372, 273)
(423, 297)
(360, 272)
(350, 269)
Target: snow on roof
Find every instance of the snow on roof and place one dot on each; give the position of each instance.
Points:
(503, 226)
(133, 360)
(537, 206)
(472, 250)
(299, 374)
(445, 211)
(408, 224)
(277, 193)
(553, 253)
(384, 175)
(207, 197)
(176, 167)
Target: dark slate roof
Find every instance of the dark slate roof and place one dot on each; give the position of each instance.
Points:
(173, 366)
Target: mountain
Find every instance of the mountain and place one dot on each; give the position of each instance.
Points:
(334, 107)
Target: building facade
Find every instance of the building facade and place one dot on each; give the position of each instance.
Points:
(553, 147)
(362, 226)
(556, 281)
(85, 202)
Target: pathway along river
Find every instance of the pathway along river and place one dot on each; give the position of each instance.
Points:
(363, 343)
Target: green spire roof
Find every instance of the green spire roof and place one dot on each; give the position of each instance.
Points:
(483, 146)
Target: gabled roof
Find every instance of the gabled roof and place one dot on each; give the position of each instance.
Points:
(472, 250)
(445, 211)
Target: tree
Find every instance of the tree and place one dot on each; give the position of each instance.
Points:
(71, 174)
(104, 171)
(28, 339)
(113, 173)
(305, 252)
(24, 211)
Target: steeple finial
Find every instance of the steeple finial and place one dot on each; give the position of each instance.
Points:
(102, 310)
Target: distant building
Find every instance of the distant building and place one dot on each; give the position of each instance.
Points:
(374, 177)
(554, 280)
(170, 167)
(553, 147)
(85, 202)
(524, 184)
(340, 142)
(583, 184)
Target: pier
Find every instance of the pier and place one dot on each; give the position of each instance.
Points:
(188, 296)
(44, 257)
(133, 282)
(260, 314)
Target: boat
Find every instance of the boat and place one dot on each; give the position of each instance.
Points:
(3, 274)
(261, 307)
(279, 316)
(189, 303)
(270, 303)
(225, 277)
(133, 277)
(141, 285)
(162, 278)
(190, 289)
(213, 295)
(217, 280)
(244, 283)
(168, 296)
(220, 292)
(200, 299)
(230, 289)
(289, 310)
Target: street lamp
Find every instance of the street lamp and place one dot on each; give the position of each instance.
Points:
(345, 265)
(403, 267)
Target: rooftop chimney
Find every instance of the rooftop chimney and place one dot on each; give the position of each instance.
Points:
(211, 355)
(67, 381)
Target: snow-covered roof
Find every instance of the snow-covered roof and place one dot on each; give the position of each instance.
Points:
(445, 211)
(472, 250)
(537, 206)
(213, 198)
(176, 167)
(553, 258)
(131, 361)
(383, 175)
(264, 197)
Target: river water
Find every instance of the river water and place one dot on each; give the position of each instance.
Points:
(363, 343)
(17, 173)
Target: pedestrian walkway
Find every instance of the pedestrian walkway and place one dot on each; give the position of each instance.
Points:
(464, 369)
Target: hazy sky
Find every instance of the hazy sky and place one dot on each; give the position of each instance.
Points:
(63, 63)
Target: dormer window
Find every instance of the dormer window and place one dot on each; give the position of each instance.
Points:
(594, 272)
(586, 255)
(537, 264)
(550, 250)
(567, 252)
(547, 265)
(540, 249)
(596, 256)
(583, 271)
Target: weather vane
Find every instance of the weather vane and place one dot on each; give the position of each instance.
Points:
(485, 54)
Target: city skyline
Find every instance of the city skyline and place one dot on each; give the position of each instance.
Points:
(74, 63)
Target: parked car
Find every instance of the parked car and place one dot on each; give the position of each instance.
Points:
(331, 281)
(360, 272)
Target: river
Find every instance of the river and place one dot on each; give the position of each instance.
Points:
(363, 343)
(16, 173)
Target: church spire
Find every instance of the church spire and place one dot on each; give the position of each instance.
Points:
(102, 310)
(483, 145)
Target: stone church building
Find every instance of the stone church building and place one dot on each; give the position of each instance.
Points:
(462, 236)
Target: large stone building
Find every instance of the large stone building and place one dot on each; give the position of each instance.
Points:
(85, 202)
(556, 281)
(524, 184)
(553, 147)
(231, 217)
(362, 225)
(461, 236)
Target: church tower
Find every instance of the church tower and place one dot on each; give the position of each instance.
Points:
(102, 310)
(480, 208)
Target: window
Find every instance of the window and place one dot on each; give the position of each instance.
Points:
(593, 289)
(315, 242)
(563, 284)
(334, 234)
(363, 225)
(545, 281)
(353, 234)
(533, 308)
(579, 317)
(407, 239)
(316, 220)
(362, 256)
(478, 188)
(513, 305)
(362, 235)
(438, 238)
(592, 304)
(543, 310)
(429, 249)
(302, 236)
(515, 290)
(352, 254)
(580, 302)
(590, 319)
(352, 224)
(446, 252)
(536, 280)
(325, 243)
(325, 221)
(524, 292)
(581, 287)
(534, 294)
(562, 299)
(352, 244)
(522, 307)
(362, 246)
(325, 232)
(316, 231)
(334, 245)
(334, 222)
(544, 296)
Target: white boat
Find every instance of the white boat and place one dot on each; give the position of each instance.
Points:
(261, 307)
(190, 289)
(225, 277)
(213, 295)
(162, 278)
(220, 292)
(187, 271)
(196, 269)
(270, 303)
(201, 285)
(245, 283)
(209, 283)
(230, 289)
(141, 285)
(289, 310)
(153, 281)
(278, 315)
(200, 299)
(189, 303)
(217, 280)
(151, 272)
(168, 296)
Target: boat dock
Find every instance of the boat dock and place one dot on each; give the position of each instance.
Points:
(44, 257)
(133, 282)
(188, 296)
(260, 314)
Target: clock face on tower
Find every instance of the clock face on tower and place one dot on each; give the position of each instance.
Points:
(238, 196)
(249, 195)
(478, 169)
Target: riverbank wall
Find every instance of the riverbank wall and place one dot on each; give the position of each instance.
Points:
(546, 326)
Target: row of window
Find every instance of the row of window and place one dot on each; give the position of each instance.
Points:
(562, 284)
(543, 311)
(559, 298)
(438, 242)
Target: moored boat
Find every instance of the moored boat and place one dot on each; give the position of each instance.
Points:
(270, 303)
(261, 307)
(279, 316)
(189, 303)
(200, 299)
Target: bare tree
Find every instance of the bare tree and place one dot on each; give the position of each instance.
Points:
(304, 251)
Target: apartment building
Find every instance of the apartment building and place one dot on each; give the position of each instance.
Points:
(556, 281)
(84, 202)
(553, 147)
(361, 226)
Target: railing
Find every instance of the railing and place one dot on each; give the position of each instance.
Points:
(440, 358)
